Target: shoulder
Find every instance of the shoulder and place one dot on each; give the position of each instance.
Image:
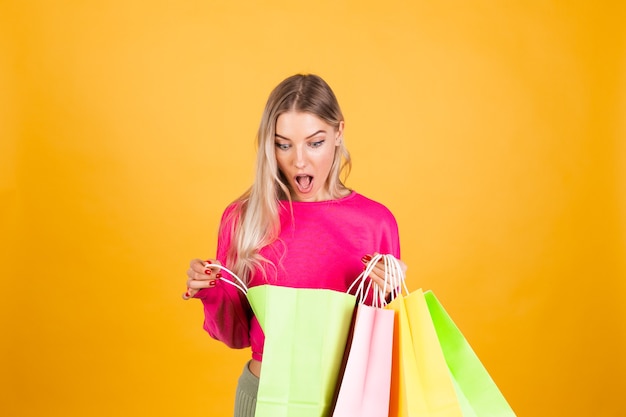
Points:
(231, 215)
(232, 208)
(361, 208)
(372, 206)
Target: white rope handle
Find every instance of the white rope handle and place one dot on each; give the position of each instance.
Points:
(361, 291)
(394, 279)
(241, 286)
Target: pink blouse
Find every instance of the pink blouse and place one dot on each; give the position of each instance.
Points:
(320, 246)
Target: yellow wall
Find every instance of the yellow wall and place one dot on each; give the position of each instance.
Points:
(495, 131)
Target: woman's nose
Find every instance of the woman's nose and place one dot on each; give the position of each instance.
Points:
(300, 161)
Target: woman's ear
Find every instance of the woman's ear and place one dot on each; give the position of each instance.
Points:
(339, 135)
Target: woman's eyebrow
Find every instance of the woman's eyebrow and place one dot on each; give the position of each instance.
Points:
(316, 133)
(308, 137)
(282, 137)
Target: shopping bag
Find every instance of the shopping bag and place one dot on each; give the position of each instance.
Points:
(306, 331)
(365, 384)
(477, 392)
(421, 384)
(305, 336)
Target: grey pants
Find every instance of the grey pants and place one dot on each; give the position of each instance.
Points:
(245, 396)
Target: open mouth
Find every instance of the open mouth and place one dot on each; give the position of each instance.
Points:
(304, 183)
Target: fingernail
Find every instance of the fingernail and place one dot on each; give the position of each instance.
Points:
(218, 276)
(207, 271)
(208, 261)
(212, 283)
(366, 259)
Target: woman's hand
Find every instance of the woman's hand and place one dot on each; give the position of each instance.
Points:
(378, 272)
(200, 275)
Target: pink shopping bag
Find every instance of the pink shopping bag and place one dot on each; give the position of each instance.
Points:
(364, 388)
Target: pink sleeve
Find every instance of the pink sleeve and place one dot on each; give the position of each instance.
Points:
(227, 313)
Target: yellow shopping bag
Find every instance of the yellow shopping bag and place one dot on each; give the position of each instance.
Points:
(421, 384)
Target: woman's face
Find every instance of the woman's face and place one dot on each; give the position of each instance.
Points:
(305, 149)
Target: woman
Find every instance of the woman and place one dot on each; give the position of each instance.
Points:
(297, 226)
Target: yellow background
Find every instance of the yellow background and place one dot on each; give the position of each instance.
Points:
(495, 131)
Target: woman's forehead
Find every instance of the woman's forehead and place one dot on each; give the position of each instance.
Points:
(300, 124)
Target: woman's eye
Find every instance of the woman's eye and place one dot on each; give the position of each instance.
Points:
(317, 144)
(282, 146)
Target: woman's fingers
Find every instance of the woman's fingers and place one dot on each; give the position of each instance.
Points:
(377, 274)
(201, 274)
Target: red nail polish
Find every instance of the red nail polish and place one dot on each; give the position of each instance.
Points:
(187, 294)
(218, 276)
(366, 259)
(212, 283)
(208, 261)
(207, 271)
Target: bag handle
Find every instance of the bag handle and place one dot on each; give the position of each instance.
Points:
(394, 279)
(361, 291)
(240, 285)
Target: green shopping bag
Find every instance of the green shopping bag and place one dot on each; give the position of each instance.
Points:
(477, 392)
(306, 331)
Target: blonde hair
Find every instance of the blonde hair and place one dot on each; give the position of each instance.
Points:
(256, 223)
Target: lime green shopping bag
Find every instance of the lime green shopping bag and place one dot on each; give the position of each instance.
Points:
(306, 331)
(477, 392)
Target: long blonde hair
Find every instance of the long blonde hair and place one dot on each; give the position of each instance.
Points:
(257, 215)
